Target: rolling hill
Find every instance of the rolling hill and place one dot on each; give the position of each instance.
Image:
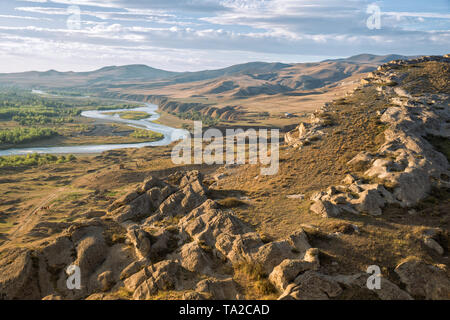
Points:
(252, 87)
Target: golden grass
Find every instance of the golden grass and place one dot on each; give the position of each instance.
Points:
(254, 282)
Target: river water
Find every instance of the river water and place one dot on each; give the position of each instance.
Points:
(170, 134)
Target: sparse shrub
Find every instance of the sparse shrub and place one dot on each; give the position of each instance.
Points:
(123, 293)
(33, 159)
(254, 273)
(23, 135)
(264, 287)
(146, 134)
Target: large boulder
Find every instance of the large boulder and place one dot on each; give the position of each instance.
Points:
(424, 280)
(17, 280)
(91, 252)
(140, 240)
(273, 253)
(195, 259)
(163, 276)
(59, 253)
(219, 289)
(325, 208)
(137, 209)
(286, 272)
(207, 223)
(127, 198)
(183, 201)
(150, 183)
(370, 201)
(119, 257)
(141, 202)
(311, 285)
(356, 287)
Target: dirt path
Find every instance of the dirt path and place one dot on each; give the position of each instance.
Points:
(27, 221)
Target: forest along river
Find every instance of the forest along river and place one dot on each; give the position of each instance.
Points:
(170, 134)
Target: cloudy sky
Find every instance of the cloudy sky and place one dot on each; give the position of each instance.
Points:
(188, 35)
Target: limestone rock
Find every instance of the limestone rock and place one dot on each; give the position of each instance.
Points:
(349, 179)
(141, 242)
(17, 279)
(312, 286)
(131, 269)
(325, 208)
(361, 159)
(91, 252)
(164, 275)
(106, 280)
(288, 270)
(273, 253)
(358, 284)
(195, 259)
(137, 209)
(423, 280)
(370, 201)
(219, 289)
(150, 183)
(58, 254)
(127, 198)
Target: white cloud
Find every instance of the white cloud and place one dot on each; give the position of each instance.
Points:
(212, 32)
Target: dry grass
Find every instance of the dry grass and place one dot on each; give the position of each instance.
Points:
(253, 281)
(355, 127)
(384, 240)
(430, 77)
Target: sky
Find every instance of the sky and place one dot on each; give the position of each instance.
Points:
(191, 35)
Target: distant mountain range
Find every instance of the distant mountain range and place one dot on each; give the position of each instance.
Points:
(274, 76)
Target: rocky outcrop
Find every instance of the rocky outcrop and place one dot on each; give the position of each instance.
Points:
(311, 286)
(225, 289)
(307, 132)
(141, 202)
(140, 240)
(155, 199)
(423, 280)
(17, 276)
(406, 160)
(192, 254)
(166, 236)
(288, 270)
(162, 276)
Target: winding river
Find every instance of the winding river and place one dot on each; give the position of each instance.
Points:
(170, 134)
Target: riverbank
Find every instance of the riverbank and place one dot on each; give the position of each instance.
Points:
(79, 144)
